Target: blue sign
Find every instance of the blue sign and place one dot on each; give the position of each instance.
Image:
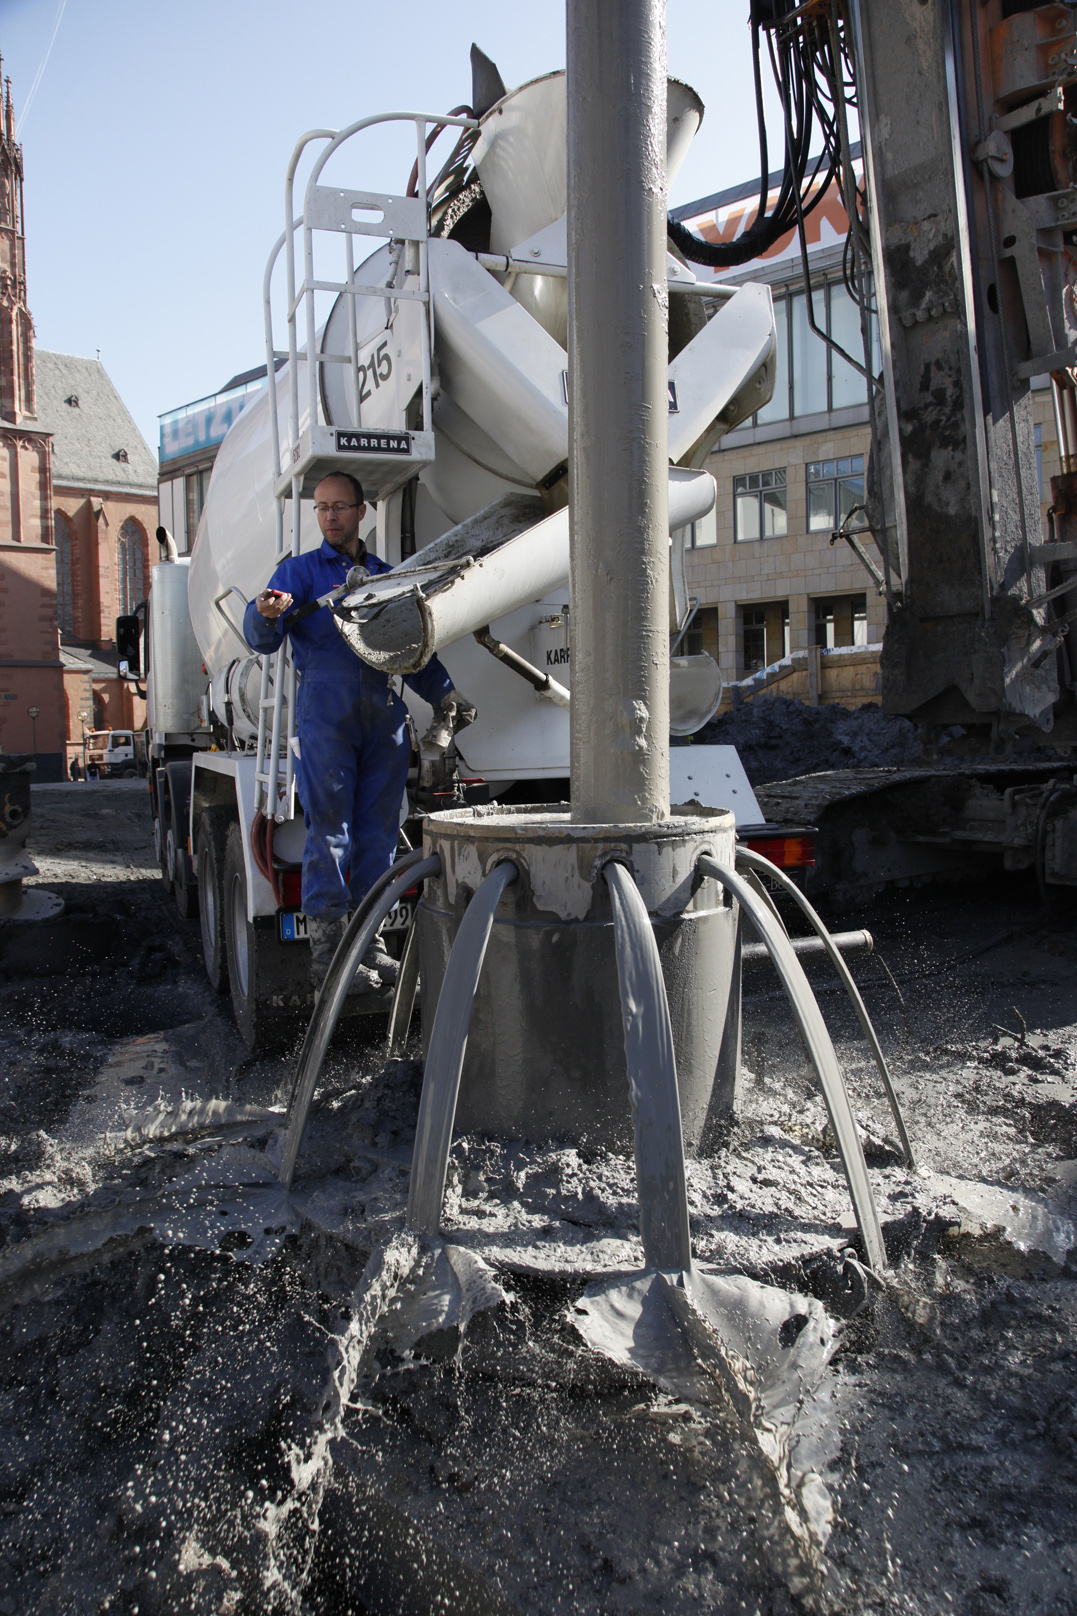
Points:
(185, 431)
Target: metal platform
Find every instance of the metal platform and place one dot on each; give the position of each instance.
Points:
(382, 460)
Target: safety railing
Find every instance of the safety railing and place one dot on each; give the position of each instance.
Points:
(310, 446)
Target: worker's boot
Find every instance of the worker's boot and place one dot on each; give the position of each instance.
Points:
(378, 959)
(325, 935)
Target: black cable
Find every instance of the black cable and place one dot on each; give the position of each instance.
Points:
(810, 80)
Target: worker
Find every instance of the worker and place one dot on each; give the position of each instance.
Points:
(353, 746)
(74, 769)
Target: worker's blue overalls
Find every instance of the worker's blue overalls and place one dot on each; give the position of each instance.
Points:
(353, 743)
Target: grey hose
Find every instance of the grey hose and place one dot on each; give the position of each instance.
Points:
(407, 983)
(758, 863)
(362, 929)
(448, 1045)
(813, 1030)
(652, 1079)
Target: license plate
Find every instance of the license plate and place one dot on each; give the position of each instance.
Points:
(293, 922)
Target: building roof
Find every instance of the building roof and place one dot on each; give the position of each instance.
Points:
(95, 442)
(87, 659)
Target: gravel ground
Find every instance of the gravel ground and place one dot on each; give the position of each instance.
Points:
(207, 1407)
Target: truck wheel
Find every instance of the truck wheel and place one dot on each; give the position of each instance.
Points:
(159, 848)
(184, 883)
(209, 867)
(130, 774)
(269, 980)
(168, 861)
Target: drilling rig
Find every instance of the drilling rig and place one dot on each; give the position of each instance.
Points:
(961, 253)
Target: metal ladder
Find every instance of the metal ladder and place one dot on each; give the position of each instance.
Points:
(383, 458)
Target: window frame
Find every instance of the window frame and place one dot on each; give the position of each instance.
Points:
(833, 481)
(858, 604)
(760, 489)
(822, 291)
(63, 539)
(774, 609)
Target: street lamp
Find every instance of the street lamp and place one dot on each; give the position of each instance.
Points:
(31, 713)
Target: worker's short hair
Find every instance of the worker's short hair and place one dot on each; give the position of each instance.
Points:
(346, 476)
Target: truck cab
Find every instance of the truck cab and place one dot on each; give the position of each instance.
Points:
(118, 753)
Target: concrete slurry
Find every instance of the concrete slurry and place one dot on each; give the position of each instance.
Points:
(217, 1398)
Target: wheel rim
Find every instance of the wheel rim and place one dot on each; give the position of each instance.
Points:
(239, 935)
(207, 894)
(170, 854)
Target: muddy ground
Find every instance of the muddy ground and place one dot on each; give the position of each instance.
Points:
(173, 1434)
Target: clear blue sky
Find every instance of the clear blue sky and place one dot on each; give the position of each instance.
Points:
(156, 141)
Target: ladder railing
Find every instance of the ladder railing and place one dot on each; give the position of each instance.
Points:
(403, 221)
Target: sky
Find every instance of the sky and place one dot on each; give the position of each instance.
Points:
(156, 140)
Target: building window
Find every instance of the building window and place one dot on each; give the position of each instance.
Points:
(65, 599)
(759, 505)
(704, 533)
(809, 355)
(130, 565)
(764, 635)
(701, 635)
(835, 487)
(841, 620)
(810, 378)
(197, 489)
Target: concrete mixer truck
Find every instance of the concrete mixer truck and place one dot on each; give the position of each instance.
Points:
(433, 369)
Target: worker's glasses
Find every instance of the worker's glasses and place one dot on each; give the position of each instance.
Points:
(323, 510)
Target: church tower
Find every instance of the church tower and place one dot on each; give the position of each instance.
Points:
(16, 326)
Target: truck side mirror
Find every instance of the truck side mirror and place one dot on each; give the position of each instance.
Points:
(128, 633)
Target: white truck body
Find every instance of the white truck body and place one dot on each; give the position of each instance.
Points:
(441, 382)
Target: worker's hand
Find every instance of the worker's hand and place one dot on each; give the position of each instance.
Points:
(272, 602)
(453, 713)
(462, 712)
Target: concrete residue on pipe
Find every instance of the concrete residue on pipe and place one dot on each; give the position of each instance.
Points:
(618, 417)
(505, 557)
(813, 1028)
(652, 1079)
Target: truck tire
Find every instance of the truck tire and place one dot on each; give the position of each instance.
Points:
(179, 864)
(184, 884)
(269, 980)
(160, 849)
(209, 868)
(168, 853)
(162, 815)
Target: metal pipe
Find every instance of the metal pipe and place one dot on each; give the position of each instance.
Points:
(424, 275)
(505, 264)
(271, 362)
(540, 682)
(846, 942)
(353, 333)
(290, 226)
(876, 232)
(652, 1079)
(407, 984)
(763, 865)
(448, 1045)
(383, 895)
(284, 810)
(809, 1019)
(397, 626)
(618, 411)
